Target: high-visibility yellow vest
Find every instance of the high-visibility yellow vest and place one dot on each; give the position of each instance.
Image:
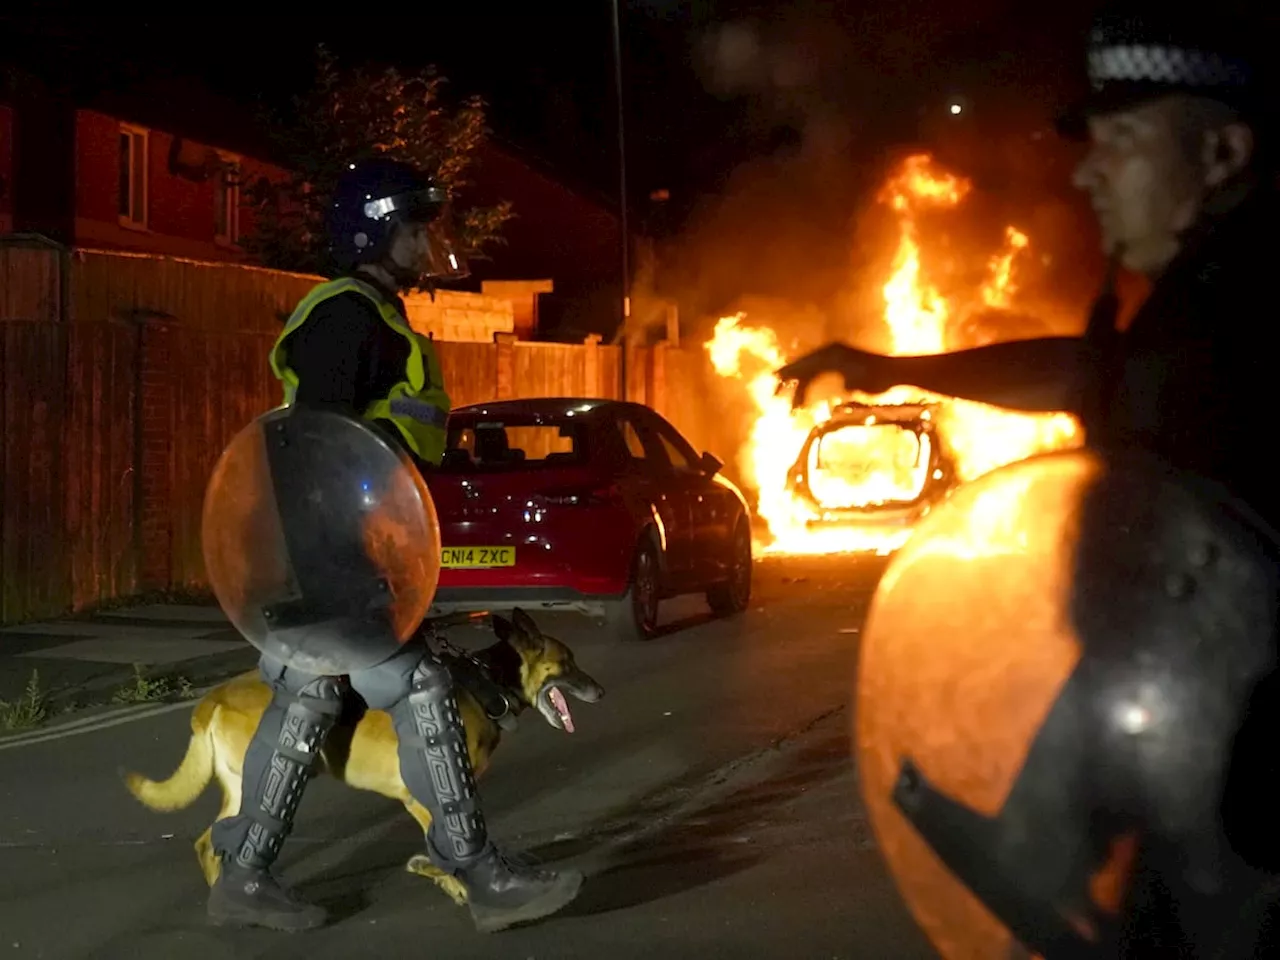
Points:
(418, 405)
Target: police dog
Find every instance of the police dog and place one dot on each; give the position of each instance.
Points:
(525, 668)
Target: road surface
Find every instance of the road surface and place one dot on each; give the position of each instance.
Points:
(709, 796)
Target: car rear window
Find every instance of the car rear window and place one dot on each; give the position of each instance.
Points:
(513, 443)
(856, 465)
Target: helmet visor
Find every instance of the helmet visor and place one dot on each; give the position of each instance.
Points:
(439, 255)
(442, 254)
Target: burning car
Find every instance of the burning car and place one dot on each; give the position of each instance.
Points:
(873, 465)
(859, 484)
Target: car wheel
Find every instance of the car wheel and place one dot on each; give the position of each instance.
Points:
(734, 594)
(635, 615)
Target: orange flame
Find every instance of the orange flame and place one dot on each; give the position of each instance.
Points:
(879, 463)
(915, 311)
(998, 290)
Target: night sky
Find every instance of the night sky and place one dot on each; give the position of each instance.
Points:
(692, 115)
(768, 123)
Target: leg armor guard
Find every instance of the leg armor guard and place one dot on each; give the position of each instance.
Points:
(280, 760)
(436, 767)
(417, 691)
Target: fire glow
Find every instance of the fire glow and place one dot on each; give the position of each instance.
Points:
(978, 438)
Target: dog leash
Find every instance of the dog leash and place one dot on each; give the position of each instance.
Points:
(493, 699)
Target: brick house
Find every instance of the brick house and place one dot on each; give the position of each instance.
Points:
(113, 175)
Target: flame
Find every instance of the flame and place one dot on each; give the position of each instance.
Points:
(998, 290)
(878, 464)
(916, 312)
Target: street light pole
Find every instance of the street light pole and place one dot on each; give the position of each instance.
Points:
(622, 196)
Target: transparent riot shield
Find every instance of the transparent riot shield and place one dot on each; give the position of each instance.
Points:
(1051, 676)
(321, 540)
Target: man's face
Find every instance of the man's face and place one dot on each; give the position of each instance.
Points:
(422, 250)
(1145, 184)
(410, 246)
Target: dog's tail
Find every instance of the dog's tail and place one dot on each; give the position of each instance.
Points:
(192, 775)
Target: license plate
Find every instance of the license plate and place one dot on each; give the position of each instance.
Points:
(461, 557)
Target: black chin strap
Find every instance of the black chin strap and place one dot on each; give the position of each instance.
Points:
(405, 279)
(1105, 312)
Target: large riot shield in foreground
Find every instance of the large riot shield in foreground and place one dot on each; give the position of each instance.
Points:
(321, 541)
(1051, 679)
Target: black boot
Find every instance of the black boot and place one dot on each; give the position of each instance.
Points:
(437, 770)
(252, 897)
(279, 762)
(502, 894)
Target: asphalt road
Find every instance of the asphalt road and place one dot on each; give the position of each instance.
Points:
(709, 796)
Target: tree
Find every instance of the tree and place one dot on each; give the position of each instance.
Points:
(350, 115)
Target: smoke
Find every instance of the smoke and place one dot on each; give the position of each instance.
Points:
(829, 106)
(786, 69)
(830, 103)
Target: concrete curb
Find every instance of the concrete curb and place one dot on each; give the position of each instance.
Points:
(98, 721)
(212, 668)
(90, 704)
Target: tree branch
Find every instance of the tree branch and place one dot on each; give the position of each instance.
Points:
(353, 115)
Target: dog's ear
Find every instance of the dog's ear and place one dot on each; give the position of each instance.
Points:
(525, 623)
(502, 627)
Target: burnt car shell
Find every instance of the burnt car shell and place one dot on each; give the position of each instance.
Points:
(938, 471)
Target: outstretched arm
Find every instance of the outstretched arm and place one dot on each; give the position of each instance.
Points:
(1032, 375)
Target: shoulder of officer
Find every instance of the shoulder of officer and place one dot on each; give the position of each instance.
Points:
(350, 309)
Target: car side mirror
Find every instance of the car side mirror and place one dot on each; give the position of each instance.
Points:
(710, 463)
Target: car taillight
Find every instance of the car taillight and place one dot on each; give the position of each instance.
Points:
(593, 496)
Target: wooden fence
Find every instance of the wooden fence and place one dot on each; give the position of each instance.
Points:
(122, 378)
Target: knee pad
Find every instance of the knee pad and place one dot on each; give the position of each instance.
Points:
(309, 716)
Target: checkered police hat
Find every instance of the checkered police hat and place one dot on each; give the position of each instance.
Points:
(1140, 51)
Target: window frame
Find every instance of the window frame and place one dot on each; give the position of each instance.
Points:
(139, 153)
(227, 191)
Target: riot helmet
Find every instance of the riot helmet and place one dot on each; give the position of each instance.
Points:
(384, 212)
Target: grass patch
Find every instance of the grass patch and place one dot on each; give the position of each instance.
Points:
(143, 689)
(29, 710)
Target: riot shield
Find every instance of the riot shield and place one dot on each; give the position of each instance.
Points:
(1051, 676)
(321, 540)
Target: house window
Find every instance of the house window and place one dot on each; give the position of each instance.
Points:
(226, 202)
(133, 176)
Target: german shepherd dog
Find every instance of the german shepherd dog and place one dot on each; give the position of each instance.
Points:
(525, 668)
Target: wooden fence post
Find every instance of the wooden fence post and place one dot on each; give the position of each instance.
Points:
(673, 325)
(155, 438)
(591, 365)
(656, 381)
(629, 358)
(504, 345)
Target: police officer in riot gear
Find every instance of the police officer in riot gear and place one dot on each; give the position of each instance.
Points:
(348, 344)
(1181, 174)
(349, 349)
(1103, 787)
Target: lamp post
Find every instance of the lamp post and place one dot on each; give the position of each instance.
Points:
(622, 196)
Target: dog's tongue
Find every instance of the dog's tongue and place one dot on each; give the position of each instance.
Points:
(562, 708)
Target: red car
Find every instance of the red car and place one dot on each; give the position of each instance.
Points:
(596, 506)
